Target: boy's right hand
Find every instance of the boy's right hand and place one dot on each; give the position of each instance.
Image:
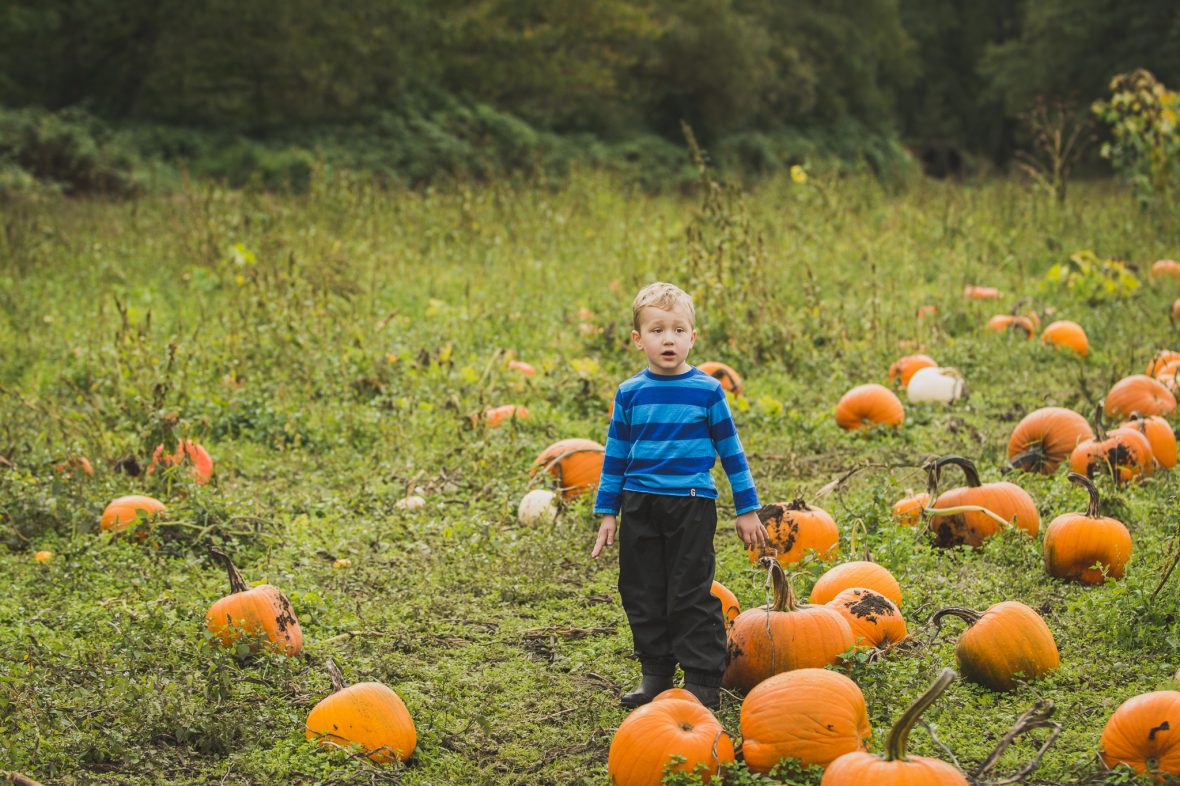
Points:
(606, 535)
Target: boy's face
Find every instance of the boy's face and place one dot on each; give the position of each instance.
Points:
(665, 337)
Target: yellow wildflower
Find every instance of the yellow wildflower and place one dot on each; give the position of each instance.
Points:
(798, 175)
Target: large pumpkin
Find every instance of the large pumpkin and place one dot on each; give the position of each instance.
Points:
(730, 380)
(794, 528)
(814, 715)
(961, 520)
(1006, 643)
(783, 636)
(652, 735)
(730, 608)
(1139, 395)
(124, 512)
(861, 573)
(186, 450)
(1070, 335)
(1144, 733)
(869, 405)
(1160, 435)
(576, 463)
(1075, 542)
(1045, 437)
(368, 715)
(904, 368)
(253, 611)
(875, 619)
(895, 768)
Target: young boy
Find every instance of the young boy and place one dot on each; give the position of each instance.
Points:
(670, 423)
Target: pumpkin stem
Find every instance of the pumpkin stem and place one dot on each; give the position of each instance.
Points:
(1099, 427)
(967, 615)
(1029, 460)
(236, 582)
(1094, 510)
(965, 464)
(957, 509)
(336, 676)
(895, 745)
(784, 593)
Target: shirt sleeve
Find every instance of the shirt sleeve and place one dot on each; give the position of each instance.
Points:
(723, 432)
(618, 449)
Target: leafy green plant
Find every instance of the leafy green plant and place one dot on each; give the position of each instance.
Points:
(1092, 279)
(1145, 147)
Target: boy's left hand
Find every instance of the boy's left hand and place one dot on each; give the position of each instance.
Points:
(751, 530)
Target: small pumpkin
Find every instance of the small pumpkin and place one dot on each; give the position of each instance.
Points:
(1159, 435)
(869, 405)
(782, 636)
(1011, 322)
(729, 379)
(936, 386)
(1075, 542)
(368, 715)
(520, 367)
(1175, 310)
(537, 507)
(1165, 268)
(970, 514)
(730, 608)
(496, 416)
(895, 768)
(1139, 395)
(43, 556)
(1123, 453)
(1003, 645)
(652, 735)
(1144, 734)
(186, 450)
(904, 368)
(252, 611)
(860, 573)
(1167, 374)
(814, 715)
(875, 619)
(793, 529)
(124, 512)
(908, 510)
(981, 293)
(576, 463)
(1162, 358)
(1064, 333)
(1046, 437)
(73, 465)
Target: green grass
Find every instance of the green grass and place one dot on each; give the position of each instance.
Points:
(329, 349)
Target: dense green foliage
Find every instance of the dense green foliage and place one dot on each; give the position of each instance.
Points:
(432, 78)
(328, 349)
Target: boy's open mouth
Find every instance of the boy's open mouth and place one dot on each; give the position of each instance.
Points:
(668, 355)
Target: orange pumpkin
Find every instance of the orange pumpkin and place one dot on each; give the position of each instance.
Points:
(861, 573)
(867, 406)
(782, 637)
(1124, 453)
(521, 367)
(908, 510)
(676, 693)
(1144, 734)
(981, 293)
(895, 768)
(1075, 542)
(729, 379)
(129, 511)
(1162, 358)
(730, 607)
(576, 463)
(904, 368)
(495, 416)
(72, 465)
(1175, 312)
(368, 715)
(652, 735)
(1159, 435)
(1165, 268)
(961, 521)
(794, 528)
(1064, 333)
(253, 611)
(1005, 644)
(1139, 395)
(1046, 437)
(186, 450)
(1167, 374)
(814, 715)
(875, 619)
(1017, 324)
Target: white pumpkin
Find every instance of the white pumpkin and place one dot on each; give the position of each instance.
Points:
(539, 506)
(410, 503)
(938, 385)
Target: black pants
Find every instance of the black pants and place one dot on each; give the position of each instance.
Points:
(666, 565)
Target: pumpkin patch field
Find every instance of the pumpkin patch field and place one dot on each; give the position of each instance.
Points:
(263, 458)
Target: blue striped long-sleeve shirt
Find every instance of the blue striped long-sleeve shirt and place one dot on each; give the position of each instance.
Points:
(665, 435)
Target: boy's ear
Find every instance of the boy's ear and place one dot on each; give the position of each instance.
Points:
(635, 339)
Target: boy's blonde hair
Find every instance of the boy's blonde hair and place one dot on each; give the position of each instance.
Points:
(662, 295)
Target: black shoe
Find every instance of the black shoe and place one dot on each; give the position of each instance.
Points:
(709, 696)
(653, 685)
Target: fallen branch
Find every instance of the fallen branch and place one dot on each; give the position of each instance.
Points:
(1036, 717)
